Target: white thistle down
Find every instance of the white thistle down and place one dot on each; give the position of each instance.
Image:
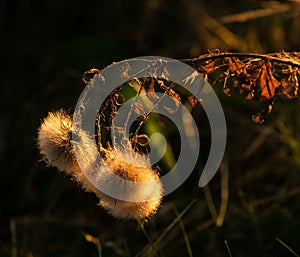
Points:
(58, 149)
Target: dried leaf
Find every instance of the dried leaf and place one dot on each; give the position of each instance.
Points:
(209, 66)
(250, 95)
(124, 70)
(260, 117)
(252, 74)
(254, 70)
(290, 84)
(193, 101)
(235, 66)
(88, 75)
(227, 91)
(149, 84)
(246, 87)
(267, 83)
(162, 71)
(176, 101)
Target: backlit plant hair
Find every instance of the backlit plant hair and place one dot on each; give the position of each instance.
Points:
(57, 148)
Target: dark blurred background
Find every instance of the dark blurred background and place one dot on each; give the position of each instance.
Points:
(45, 48)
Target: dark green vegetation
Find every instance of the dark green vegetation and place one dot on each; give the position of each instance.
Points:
(45, 48)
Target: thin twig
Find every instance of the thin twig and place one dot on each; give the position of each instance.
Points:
(270, 57)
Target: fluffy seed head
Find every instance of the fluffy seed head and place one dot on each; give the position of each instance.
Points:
(54, 141)
(71, 156)
(128, 165)
(125, 164)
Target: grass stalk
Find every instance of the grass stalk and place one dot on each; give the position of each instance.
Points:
(287, 247)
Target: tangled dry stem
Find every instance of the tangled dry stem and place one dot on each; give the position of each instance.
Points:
(261, 77)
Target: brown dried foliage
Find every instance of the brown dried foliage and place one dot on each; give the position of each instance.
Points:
(260, 77)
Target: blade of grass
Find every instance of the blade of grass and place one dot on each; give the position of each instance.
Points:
(94, 240)
(151, 243)
(255, 14)
(185, 236)
(228, 249)
(210, 202)
(148, 247)
(224, 193)
(219, 217)
(287, 247)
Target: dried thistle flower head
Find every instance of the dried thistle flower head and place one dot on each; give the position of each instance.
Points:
(127, 164)
(54, 141)
(58, 149)
(132, 166)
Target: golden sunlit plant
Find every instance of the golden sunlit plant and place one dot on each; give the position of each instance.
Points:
(260, 77)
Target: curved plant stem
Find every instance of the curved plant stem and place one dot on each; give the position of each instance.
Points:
(270, 57)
